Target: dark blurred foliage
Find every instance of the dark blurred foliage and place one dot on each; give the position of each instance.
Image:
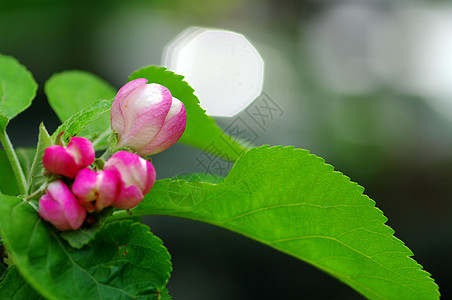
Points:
(391, 142)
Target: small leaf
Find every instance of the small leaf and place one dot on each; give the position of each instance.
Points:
(36, 177)
(79, 121)
(81, 237)
(71, 91)
(292, 201)
(201, 131)
(125, 261)
(17, 88)
(13, 286)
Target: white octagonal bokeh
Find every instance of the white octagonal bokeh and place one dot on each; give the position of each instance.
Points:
(223, 67)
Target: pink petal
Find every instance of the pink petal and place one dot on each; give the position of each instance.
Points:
(145, 110)
(58, 161)
(133, 171)
(82, 150)
(150, 177)
(171, 131)
(133, 176)
(108, 189)
(59, 206)
(128, 197)
(130, 166)
(50, 210)
(85, 188)
(117, 118)
(126, 89)
(95, 190)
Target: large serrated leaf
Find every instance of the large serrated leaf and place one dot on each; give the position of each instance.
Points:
(201, 131)
(292, 201)
(13, 286)
(125, 261)
(17, 88)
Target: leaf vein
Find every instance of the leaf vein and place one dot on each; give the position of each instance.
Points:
(345, 245)
(262, 209)
(75, 264)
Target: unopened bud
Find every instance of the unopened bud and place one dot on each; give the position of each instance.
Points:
(136, 174)
(68, 161)
(147, 117)
(59, 207)
(95, 190)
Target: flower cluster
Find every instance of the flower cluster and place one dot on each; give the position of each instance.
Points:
(123, 182)
(147, 119)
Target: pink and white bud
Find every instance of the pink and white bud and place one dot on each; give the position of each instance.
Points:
(68, 161)
(59, 207)
(147, 117)
(137, 176)
(95, 190)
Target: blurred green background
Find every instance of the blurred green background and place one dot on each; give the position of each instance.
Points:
(367, 85)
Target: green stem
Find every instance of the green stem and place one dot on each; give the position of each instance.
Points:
(101, 137)
(38, 193)
(106, 154)
(14, 161)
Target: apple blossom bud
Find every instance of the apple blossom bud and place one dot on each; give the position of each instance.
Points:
(67, 161)
(95, 190)
(147, 117)
(59, 207)
(137, 176)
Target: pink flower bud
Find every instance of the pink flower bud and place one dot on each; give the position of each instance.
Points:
(59, 207)
(137, 176)
(67, 161)
(147, 117)
(95, 190)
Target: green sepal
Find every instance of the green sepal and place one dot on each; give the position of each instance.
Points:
(36, 177)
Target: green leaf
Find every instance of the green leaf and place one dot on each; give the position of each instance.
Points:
(79, 121)
(164, 295)
(71, 91)
(201, 130)
(17, 88)
(291, 200)
(13, 286)
(125, 261)
(36, 177)
(200, 177)
(81, 237)
(8, 184)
